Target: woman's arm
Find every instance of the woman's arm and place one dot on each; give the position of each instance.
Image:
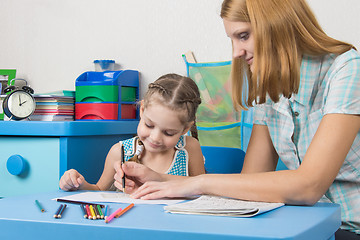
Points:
(196, 159)
(260, 154)
(305, 185)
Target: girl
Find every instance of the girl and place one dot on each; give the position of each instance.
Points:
(305, 87)
(167, 112)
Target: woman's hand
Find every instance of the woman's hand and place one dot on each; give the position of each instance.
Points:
(185, 187)
(71, 180)
(135, 175)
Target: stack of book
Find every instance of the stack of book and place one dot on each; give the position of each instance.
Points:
(53, 107)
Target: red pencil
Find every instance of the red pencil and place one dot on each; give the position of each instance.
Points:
(124, 211)
(88, 211)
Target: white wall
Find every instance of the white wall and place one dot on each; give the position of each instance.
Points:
(51, 42)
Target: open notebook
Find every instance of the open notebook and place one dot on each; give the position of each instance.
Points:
(220, 206)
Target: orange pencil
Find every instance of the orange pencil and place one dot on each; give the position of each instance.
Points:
(124, 210)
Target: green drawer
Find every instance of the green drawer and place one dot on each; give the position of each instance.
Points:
(128, 94)
(97, 93)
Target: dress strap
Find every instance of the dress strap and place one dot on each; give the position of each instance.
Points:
(181, 143)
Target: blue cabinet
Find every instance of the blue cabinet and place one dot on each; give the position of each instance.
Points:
(34, 154)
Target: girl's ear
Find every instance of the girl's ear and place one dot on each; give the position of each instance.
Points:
(141, 108)
(189, 125)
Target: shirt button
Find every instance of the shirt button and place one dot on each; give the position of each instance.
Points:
(296, 114)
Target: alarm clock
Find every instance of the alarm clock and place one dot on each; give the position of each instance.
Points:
(19, 103)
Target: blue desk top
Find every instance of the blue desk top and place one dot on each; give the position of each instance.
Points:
(21, 219)
(67, 128)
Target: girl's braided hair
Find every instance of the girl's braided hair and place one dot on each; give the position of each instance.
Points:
(177, 92)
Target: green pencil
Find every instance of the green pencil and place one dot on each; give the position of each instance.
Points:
(39, 206)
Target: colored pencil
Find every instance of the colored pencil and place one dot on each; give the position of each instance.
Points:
(100, 212)
(88, 211)
(109, 218)
(62, 211)
(92, 212)
(122, 162)
(82, 206)
(77, 202)
(106, 211)
(58, 211)
(125, 210)
(39, 206)
(96, 210)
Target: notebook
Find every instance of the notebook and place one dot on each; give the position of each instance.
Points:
(222, 206)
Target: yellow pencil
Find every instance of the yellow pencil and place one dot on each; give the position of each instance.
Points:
(92, 212)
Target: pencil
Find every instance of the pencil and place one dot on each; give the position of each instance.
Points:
(83, 210)
(62, 211)
(39, 206)
(88, 211)
(58, 211)
(100, 212)
(109, 218)
(122, 162)
(106, 211)
(96, 210)
(125, 210)
(77, 202)
(92, 212)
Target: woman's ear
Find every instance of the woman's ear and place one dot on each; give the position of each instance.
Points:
(187, 128)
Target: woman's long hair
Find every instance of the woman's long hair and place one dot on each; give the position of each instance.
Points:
(283, 31)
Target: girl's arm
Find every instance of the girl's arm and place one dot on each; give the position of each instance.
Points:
(107, 177)
(196, 159)
(73, 180)
(306, 185)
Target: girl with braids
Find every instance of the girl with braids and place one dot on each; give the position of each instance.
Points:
(305, 89)
(167, 113)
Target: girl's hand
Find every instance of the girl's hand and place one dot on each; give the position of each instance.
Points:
(135, 175)
(175, 188)
(71, 180)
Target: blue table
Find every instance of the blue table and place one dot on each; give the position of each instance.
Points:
(21, 219)
(45, 150)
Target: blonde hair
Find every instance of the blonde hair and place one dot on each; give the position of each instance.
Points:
(178, 93)
(283, 31)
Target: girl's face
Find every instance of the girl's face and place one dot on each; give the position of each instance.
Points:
(159, 127)
(242, 40)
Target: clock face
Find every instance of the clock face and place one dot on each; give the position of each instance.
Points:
(20, 105)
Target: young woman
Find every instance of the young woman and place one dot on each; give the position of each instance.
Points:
(305, 87)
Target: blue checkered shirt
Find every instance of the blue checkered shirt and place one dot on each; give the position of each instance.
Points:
(179, 165)
(330, 84)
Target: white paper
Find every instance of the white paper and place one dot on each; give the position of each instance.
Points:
(114, 197)
(221, 206)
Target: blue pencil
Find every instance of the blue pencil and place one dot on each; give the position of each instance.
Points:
(106, 211)
(62, 211)
(58, 211)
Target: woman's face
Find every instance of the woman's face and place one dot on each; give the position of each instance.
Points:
(242, 40)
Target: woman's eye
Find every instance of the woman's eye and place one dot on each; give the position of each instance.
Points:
(243, 36)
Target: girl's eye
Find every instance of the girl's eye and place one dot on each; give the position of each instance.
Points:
(169, 134)
(148, 126)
